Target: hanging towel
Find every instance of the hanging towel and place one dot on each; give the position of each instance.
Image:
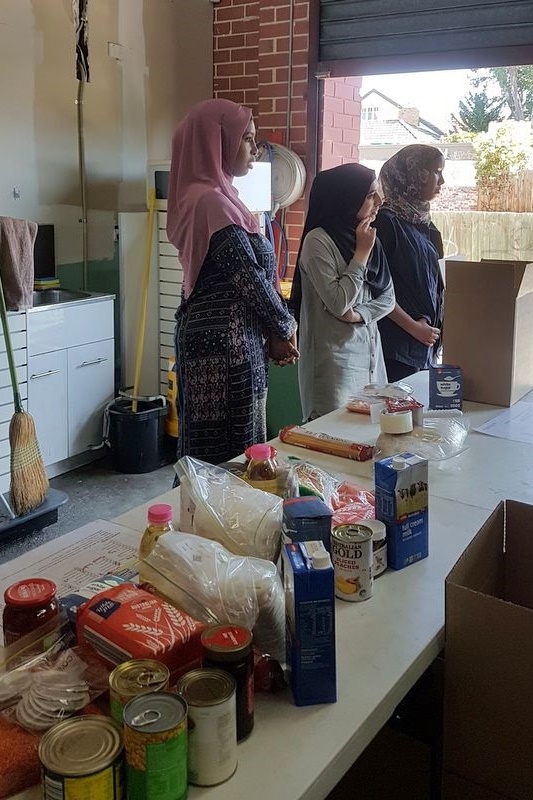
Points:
(17, 239)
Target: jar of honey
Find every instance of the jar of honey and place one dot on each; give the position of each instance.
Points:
(28, 605)
(261, 470)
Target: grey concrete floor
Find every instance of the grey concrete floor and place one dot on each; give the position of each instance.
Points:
(95, 491)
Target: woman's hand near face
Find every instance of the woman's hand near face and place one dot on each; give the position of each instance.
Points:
(365, 238)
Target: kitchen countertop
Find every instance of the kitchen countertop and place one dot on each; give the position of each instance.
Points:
(90, 298)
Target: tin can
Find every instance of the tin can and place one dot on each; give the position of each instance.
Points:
(134, 677)
(212, 746)
(155, 739)
(379, 545)
(83, 757)
(351, 554)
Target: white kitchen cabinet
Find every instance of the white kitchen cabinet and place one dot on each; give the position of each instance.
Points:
(71, 378)
(47, 399)
(90, 389)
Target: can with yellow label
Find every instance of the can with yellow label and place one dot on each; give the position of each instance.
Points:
(83, 757)
(351, 554)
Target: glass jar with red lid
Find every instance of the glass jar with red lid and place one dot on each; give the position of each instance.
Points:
(28, 605)
(229, 647)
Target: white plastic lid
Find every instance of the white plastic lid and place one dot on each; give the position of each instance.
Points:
(377, 527)
(398, 462)
(321, 559)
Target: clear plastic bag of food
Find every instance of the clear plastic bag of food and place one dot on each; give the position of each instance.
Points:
(37, 690)
(47, 687)
(227, 510)
(373, 392)
(208, 582)
(440, 437)
(313, 480)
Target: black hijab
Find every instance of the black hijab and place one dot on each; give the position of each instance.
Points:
(336, 196)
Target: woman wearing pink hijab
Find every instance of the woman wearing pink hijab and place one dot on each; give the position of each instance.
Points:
(231, 317)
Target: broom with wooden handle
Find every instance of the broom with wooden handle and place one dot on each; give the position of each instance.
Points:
(29, 481)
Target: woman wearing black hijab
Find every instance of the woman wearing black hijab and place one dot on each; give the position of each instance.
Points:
(341, 287)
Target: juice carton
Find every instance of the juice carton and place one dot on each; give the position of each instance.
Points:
(307, 519)
(445, 387)
(401, 486)
(309, 583)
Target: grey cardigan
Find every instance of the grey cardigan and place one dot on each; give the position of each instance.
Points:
(337, 358)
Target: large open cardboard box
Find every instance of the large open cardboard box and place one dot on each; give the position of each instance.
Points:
(488, 328)
(488, 663)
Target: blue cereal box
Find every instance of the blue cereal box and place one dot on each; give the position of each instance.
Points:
(307, 519)
(309, 583)
(72, 602)
(445, 387)
(401, 487)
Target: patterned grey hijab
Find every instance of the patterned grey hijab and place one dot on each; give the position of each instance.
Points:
(400, 182)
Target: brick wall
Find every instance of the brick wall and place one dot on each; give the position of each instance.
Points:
(341, 114)
(253, 65)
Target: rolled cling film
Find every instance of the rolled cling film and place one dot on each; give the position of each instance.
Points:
(396, 421)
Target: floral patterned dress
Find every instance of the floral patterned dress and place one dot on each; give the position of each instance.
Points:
(222, 348)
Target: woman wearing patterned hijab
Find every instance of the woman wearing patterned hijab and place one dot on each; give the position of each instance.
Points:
(342, 286)
(231, 316)
(410, 334)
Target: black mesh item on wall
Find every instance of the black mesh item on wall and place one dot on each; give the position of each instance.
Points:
(81, 22)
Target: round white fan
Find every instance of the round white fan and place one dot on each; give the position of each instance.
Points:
(288, 174)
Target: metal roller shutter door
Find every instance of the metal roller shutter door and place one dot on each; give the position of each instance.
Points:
(377, 36)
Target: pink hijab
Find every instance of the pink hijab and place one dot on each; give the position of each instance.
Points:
(201, 198)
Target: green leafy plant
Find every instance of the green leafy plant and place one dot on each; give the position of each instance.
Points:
(499, 155)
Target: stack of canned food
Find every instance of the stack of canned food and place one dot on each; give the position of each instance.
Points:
(157, 741)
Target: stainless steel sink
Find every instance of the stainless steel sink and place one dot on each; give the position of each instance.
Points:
(49, 297)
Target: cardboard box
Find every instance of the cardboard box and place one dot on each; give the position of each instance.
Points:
(488, 328)
(488, 695)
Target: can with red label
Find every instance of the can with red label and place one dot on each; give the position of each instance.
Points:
(229, 647)
(352, 556)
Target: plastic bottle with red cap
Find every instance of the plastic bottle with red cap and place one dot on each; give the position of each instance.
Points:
(159, 522)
